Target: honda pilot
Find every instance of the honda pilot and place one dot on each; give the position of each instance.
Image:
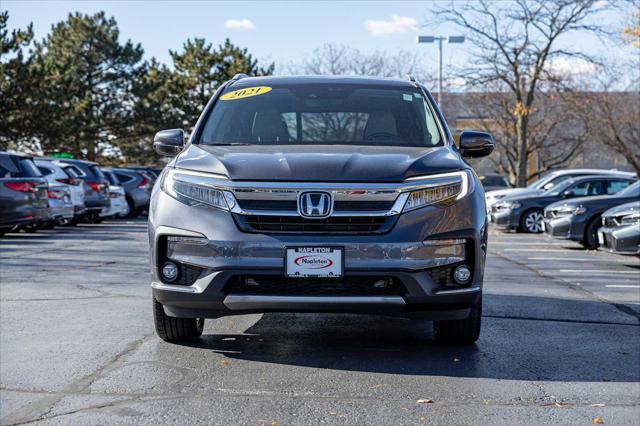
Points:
(319, 194)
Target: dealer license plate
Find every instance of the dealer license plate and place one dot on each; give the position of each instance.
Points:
(314, 262)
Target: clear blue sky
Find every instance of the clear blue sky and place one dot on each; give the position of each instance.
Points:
(274, 31)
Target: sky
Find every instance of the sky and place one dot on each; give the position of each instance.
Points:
(282, 32)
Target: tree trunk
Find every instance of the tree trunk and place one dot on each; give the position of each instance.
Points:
(521, 138)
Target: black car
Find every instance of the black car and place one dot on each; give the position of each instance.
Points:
(24, 198)
(137, 187)
(579, 219)
(525, 213)
(494, 182)
(620, 231)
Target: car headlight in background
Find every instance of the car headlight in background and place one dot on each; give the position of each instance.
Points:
(507, 205)
(630, 219)
(454, 186)
(183, 187)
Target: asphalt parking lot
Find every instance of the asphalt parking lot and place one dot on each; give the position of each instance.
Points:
(560, 344)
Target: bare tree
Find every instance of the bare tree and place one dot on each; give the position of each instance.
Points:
(515, 43)
(333, 59)
(611, 113)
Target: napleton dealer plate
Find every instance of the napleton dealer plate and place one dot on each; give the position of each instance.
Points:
(314, 262)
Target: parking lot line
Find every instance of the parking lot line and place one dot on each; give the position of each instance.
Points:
(598, 271)
(541, 250)
(579, 259)
(622, 285)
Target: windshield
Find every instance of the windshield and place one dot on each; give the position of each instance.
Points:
(494, 181)
(322, 114)
(630, 191)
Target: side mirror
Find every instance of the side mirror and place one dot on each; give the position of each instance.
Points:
(476, 144)
(568, 194)
(169, 142)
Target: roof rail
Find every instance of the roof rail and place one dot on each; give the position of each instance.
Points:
(412, 78)
(239, 76)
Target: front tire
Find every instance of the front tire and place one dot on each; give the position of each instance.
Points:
(171, 329)
(590, 240)
(460, 332)
(531, 221)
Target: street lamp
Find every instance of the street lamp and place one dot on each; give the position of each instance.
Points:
(439, 39)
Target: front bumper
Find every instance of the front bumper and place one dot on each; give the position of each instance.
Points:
(557, 227)
(213, 242)
(620, 239)
(505, 218)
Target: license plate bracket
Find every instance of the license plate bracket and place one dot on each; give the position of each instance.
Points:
(314, 262)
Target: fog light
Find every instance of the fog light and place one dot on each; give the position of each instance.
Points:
(169, 271)
(462, 274)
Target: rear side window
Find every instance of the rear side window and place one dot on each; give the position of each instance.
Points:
(73, 171)
(613, 186)
(96, 171)
(46, 170)
(112, 178)
(123, 178)
(28, 168)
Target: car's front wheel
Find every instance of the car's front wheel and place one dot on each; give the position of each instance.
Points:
(531, 221)
(460, 332)
(173, 329)
(590, 240)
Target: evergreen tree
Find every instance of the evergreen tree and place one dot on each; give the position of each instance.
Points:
(15, 82)
(86, 77)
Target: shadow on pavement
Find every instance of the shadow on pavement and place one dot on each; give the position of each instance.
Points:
(509, 348)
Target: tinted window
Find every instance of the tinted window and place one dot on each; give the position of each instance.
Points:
(46, 170)
(113, 180)
(28, 168)
(96, 171)
(493, 181)
(73, 171)
(123, 178)
(615, 186)
(323, 114)
(586, 189)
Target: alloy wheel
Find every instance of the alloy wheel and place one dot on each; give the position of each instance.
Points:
(533, 222)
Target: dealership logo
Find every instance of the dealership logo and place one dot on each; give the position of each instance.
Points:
(313, 262)
(316, 205)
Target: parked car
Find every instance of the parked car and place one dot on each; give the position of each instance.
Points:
(24, 200)
(494, 182)
(525, 213)
(137, 187)
(271, 208)
(118, 206)
(58, 175)
(96, 195)
(155, 172)
(620, 231)
(579, 219)
(547, 182)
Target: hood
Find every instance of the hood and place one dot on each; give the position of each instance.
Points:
(502, 193)
(322, 163)
(623, 210)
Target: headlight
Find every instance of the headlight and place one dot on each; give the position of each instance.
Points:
(438, 188)
(502, 205)
(183, 187)
(630, 219)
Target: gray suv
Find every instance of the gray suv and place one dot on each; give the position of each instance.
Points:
(319, 194)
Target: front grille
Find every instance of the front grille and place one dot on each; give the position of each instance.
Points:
(330, 225)
(346, 286)
(338, 206)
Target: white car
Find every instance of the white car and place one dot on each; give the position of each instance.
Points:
(547, 182)
(60, 175)
(118, 206)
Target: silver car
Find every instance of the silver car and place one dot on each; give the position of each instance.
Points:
(59, 175)
(118, 206)
(312, 194)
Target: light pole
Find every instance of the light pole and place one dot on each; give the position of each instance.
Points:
(439, 39)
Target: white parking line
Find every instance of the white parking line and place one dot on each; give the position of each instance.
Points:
(544, 250)
(623, 286)
(520, 243)
(597, 271)
(579, 259)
